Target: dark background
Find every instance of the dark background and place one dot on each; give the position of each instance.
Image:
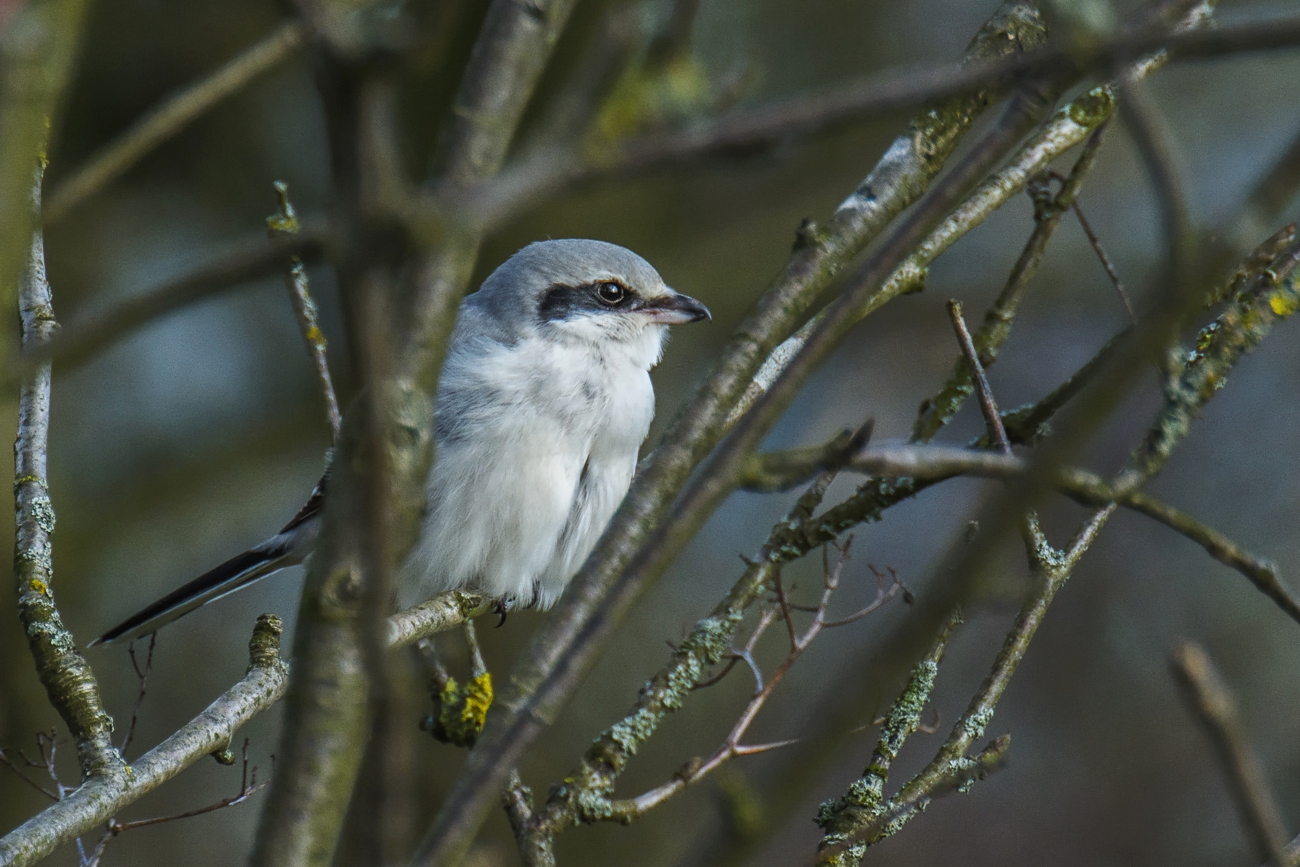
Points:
(202, 433)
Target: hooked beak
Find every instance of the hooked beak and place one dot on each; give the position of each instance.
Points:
(675, 309)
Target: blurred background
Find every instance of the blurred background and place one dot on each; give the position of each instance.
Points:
(199, 435)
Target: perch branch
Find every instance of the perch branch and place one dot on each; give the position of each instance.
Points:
(97, 801)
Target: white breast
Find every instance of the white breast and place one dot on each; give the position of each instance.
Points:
(537, 443)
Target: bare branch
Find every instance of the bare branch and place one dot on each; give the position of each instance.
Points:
(1212, 702)
(248, 787)
(99, 798)
(996, 327)
(438, 614)
(38, 47)
(170, 117)
(97, 801)
(696, 769)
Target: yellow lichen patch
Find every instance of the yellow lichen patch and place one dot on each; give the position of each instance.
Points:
(1284, 301)
(461, 710)
(38, 586)
(315, 336)
(478, 698)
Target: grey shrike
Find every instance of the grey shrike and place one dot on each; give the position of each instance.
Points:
(542, 406)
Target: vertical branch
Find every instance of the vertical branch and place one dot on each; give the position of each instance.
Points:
(62, 669)
(1214, 706)
(509, 55)
(340, 680)
(38, 45)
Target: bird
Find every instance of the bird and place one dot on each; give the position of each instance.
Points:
(543, 403)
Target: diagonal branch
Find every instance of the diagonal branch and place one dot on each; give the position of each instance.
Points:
(1214, 706)
(170, 117)
(99, 799)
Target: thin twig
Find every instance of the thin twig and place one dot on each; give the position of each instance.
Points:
(1156, 147)
(996, 327)
(248, 787)
(285, 223)
(731, 747)
(170, 117)
(1212, 702)
(983, 391)
(142, 674)
(22, 775)
(1104, 259)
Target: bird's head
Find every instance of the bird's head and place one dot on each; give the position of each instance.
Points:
(588, 290)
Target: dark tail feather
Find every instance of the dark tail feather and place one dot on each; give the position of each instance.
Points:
(237, 572)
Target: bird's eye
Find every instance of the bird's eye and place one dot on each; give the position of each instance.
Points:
(610, 293)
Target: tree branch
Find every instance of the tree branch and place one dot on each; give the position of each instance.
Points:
(63, 671)
(38, 47)
(1209, 698)
(100, 799)
(171, 116)
(567, 643)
